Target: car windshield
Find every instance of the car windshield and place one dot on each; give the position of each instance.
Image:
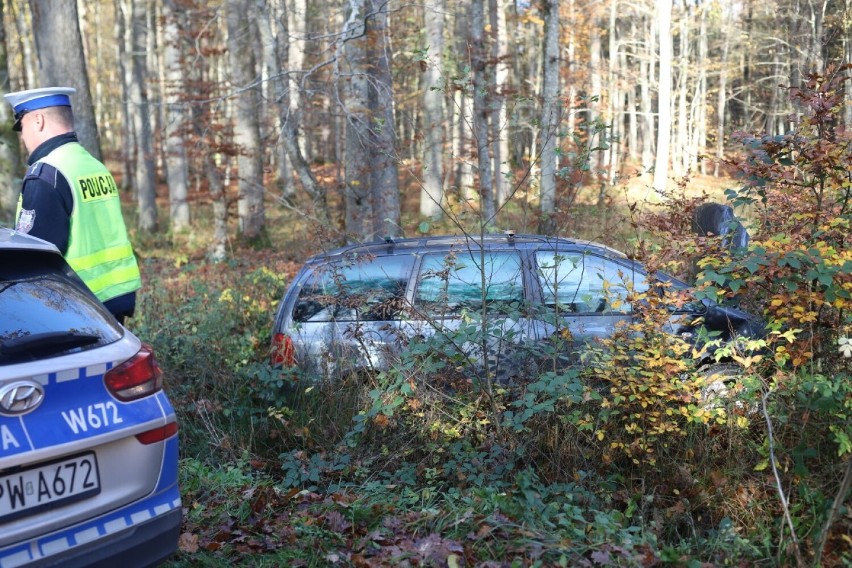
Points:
(45, 310)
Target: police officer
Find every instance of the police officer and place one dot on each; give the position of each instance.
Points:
(71, 200)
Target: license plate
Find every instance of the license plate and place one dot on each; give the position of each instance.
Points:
(28, 491)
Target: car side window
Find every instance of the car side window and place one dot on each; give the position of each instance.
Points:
(585, 283)
(357, 289)
(452, 282)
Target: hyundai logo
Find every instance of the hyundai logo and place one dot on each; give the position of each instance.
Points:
(20, 397)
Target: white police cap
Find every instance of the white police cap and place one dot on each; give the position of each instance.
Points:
(34, 99)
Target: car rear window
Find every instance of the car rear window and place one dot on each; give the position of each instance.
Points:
(46, 310)
(357, 289)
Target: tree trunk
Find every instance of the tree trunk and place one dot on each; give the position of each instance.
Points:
(571, 65)
(295, 56)
(61, 62)
(144, 174)
(266, 55)
(550, 116)
(25, 45)
(847, 50)
(481, 112)
(661, 163)
(699, 144)
(632, 116)
(384, 173)
(177, 174)
(597, 124)
(499, 75)
(680, 159)
(359, 207)
(246, 124)
(122, 46)
(272, 27)
(463, 178)
(10, 155)
(645, 82)
(614, 113)
(152, 63)
(288, 94)
(218, 246)
(432, 190)
(722, 99)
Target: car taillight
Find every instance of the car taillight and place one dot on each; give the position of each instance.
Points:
(158, 434)
(137, 377)
(282, 351)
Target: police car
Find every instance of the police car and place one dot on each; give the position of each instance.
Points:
(88, 438)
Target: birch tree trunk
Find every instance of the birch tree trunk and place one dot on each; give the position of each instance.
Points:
(359, 207)
(722, 98)
(295, 39)
(481, 112)
(250, 209)
(177, 172)
(432, 190)
(61, 62)
(550, 116)
(499, 75)
(664, 122)
(144, 173)
(571, 65)
(614, 107)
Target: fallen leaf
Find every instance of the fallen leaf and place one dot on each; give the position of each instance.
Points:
(188, 542)
(336, 522)
(601, 557)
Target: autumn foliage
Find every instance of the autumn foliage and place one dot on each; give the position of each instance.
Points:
(622, 461)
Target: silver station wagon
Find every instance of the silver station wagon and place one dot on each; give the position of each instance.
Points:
(351, 309)
(88, 438)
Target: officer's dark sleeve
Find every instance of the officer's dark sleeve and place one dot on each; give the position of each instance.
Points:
(52, 206)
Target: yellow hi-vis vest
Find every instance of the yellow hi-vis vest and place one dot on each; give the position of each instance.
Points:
(98, 248)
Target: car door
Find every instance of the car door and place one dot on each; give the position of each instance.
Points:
(448, 304)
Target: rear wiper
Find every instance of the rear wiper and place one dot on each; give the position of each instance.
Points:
(44, 344)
